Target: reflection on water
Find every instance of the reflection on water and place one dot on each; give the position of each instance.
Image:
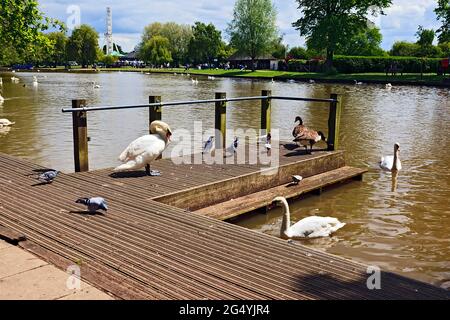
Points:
(405, 230)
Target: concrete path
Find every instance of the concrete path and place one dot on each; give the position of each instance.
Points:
(26, 277)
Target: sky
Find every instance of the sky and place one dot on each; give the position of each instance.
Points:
(130, 17)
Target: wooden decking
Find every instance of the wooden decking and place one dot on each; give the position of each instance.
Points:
(146, 249)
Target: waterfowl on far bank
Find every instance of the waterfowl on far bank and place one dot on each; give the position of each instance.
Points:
(310, 227)
(358, 83)
(392, 163)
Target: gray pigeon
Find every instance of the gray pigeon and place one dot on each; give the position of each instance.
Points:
(48, 177)
(93, 204)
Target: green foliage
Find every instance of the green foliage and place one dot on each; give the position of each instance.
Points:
(443, 13)
(225, 52)
(367, 42)
(279, 50)
(21, 30)
(205, 44)
(58, 53)
(405, 49)
(445, 49)
(253, 30)
(364, 64)
(355, 64)
(82, 45)
(109, 60)
(179, 37)
(425, 37)
(156, 51)
(329, 23)
(299, 53)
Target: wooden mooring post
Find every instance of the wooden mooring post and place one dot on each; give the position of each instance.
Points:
(154, 112)
(266, 110)
(80, 137)
(334, 123)
(220, 120)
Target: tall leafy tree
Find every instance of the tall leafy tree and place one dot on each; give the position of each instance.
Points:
(365, 43)
(443, 13)
(329, 23)
(206, 43)
(179, 36)
(58, 53)
(82, 45)
(425, 38)
(253, 28)
(156, 51)
(21, 28)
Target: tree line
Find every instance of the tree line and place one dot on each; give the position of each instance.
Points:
(331, 27)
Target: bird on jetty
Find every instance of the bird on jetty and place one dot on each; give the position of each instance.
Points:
(267, 140)
(304, 136)
(48, 176)
(5, 123)
(310, 227)
(297, 179)
(209, 145)
(93, 204)
(142, 151)
(392, 163)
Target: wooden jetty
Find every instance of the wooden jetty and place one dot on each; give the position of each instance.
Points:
(145, 249)
(164, 238)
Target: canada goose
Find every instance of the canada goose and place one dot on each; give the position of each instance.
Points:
(142, 151)
(309, 137)
(299, 128)
(310, 227)
(392, 163)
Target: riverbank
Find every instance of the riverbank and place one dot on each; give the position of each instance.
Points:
(367, 78)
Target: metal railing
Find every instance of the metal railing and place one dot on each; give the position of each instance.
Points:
(80, 109)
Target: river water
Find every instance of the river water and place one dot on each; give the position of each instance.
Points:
(404, 231)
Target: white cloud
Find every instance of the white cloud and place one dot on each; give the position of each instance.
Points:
(130, 17)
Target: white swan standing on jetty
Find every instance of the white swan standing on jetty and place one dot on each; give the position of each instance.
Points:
(5, 123)
(142, 151)
(392, 163)
(310, 227)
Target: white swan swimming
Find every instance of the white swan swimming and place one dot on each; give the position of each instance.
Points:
(310, 227)
(14, 80)
(95, 85)
(5, 123)
(142, 151)
(1, 99)
(194, 81)
(35, 81)
(392, 163)
(388, 86)
(1, 81)
(358, 83)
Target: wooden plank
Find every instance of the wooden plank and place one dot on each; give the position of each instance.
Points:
(10, 235)
(254, 201)
(209, 194)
